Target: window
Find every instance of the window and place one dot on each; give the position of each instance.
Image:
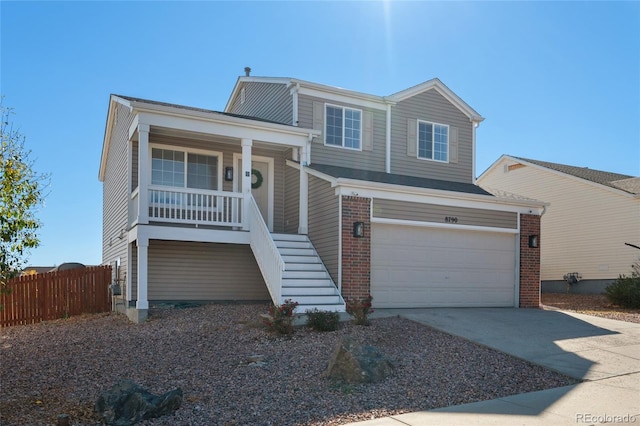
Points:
(343, 127)
(433, 141)
(169, 168)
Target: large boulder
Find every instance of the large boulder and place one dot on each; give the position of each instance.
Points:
(127, 403)
(356, 363)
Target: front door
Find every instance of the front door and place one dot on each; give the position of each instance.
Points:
(261, 185)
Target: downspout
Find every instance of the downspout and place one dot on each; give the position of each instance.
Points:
(293, 90)
(474, 126)
(387, 160)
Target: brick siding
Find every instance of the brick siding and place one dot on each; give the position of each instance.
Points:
(356, 252)
(529, 262)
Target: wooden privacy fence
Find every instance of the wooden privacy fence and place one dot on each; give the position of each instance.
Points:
(54, 295)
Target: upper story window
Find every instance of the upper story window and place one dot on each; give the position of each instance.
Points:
(343, 127)
(184, 169)
(433, 141)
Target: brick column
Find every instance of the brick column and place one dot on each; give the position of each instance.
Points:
(356, 252)
(529, 262)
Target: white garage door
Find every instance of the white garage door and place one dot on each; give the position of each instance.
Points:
(415, 266)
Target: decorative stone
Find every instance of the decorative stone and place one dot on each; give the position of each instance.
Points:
(127, 403)
(355, 363)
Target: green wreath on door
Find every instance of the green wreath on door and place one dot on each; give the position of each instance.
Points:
(258, 183)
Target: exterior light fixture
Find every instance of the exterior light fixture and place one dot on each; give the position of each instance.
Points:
(358, 229)
(228, 173)
(533, 241)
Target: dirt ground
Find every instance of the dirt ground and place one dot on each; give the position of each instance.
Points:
(589, 304)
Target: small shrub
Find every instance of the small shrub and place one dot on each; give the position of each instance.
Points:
(360, 309)
(625, 291)
(280, 317)
(323, 320)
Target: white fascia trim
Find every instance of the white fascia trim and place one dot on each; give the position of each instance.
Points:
(445, 225)
(243, 79)
(227, 126)
(199, 235)
(349, 187)
(566, 175)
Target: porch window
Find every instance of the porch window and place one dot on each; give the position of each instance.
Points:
(184, 169)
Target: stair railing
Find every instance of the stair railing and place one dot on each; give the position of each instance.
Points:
(265, 251)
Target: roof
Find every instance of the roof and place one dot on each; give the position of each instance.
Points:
(394, 179)
(622, 182)
(188, 108)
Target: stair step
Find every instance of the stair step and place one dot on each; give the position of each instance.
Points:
(313, 299)
(303, 267)
(307, 282)
(304, 274)
(294, 251)
(309, 291)
(293, 244)
(330, 307)
(289, 237)
(301, 259)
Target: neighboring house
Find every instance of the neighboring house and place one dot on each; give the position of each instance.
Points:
(590, 217)
(310, 192)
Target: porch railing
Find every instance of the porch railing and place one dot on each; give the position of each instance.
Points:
(195, 206)
(266, 253)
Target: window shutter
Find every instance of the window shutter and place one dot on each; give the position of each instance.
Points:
(318, 120)
(412, 138)
(453, 144)
(367, 131)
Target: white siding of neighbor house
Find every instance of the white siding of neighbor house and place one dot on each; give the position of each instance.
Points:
(115, 193)
(585, 226)
(433, 107)
(270, 101)
(373, 159)
(203, 272)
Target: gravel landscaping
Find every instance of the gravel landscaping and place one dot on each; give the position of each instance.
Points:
(590, 304)
(62, 366)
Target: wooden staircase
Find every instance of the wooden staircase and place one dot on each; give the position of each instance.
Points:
(305, 279)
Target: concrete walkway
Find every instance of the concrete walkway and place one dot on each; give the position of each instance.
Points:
(604, 353)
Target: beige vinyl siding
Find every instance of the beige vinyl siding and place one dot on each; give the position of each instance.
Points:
(291, 200)
(583, 229)
(405, 210)
(203, 271)
(270, 101)
(431, 106)
(116, 192)
(323, 223)
(228, 150)
(335, 156)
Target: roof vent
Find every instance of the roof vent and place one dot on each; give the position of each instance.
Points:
(247, 71)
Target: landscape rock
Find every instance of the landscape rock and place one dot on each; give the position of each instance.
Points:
(356, 363)
(127, 403)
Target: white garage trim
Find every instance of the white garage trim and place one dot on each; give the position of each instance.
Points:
(446, 225)
(438, 266)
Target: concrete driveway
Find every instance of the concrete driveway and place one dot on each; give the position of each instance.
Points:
(604, 353)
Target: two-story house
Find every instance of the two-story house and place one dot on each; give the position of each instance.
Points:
(314, 193)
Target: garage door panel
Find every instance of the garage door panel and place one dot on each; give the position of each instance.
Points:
(416, 266)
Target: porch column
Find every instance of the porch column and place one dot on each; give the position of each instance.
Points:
(143, 173)
(143, 266)
(246, 180)
(303, 219)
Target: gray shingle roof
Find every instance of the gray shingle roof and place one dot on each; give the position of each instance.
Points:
(382, 177)
(592, 175)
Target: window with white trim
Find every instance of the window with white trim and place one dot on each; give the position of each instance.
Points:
(433, 141)
(184, 169)
(343, 127)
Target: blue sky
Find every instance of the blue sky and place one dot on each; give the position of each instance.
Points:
(556, 81)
